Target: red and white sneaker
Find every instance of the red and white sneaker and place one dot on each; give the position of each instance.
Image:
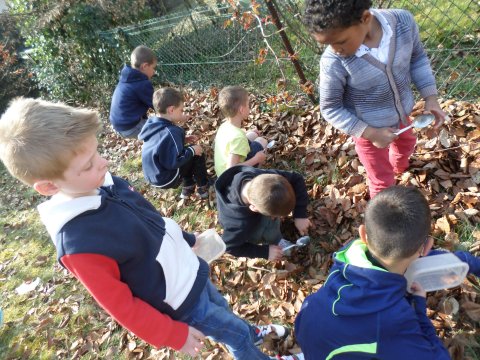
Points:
(263, 330)
(298, 356)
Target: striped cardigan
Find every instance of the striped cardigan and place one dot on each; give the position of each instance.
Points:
(356, 92)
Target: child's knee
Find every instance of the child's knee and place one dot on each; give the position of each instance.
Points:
(262, 141)
(252, 135)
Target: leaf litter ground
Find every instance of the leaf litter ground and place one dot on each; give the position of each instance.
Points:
(445, 166)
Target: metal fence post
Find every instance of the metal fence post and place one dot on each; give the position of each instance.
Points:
(288, 46)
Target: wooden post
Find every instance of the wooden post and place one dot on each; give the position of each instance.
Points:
(288, 46)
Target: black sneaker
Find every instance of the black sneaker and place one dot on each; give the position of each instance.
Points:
(187, 191)
(202, 191)
(263, 330)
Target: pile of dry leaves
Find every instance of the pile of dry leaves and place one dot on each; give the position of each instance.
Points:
(445, 166)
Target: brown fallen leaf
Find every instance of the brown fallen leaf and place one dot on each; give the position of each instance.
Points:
(471, 309)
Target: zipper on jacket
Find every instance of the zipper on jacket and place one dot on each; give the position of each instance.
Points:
(113, 194)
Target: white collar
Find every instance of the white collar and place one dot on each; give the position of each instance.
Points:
(59, 209)
(387, 34)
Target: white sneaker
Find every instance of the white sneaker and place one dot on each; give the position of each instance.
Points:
(263, 330)
(298, 356)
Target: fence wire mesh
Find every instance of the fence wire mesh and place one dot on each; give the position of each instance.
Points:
(196, 47)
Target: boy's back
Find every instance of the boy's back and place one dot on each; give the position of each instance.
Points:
(229, 140)
(163, 151)
(361, 312)
(133, 95)
(131, 99)
(243, 228)
(233, 146)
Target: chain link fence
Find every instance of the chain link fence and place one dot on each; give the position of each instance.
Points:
(202, 47)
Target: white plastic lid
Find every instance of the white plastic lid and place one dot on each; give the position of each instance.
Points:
(209, 246)
(436, 272)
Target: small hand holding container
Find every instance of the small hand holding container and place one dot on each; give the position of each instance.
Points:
(436, 272)
(209, 246)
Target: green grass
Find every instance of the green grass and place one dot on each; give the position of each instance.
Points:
(465, 231)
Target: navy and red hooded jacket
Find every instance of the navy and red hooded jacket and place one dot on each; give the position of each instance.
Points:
(137, 265)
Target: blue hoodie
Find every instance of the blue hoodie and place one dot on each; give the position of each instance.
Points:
(131, 99)
(163, 152)
(363, 312)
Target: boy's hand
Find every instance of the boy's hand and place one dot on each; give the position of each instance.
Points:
(417, 289)
(194, 342)
(302, 226)
(275, 253)
(380, 137)
(191, 138)
(432, 107)
(260, 157)
(198, 149)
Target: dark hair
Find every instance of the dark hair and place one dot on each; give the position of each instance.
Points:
(321, 15)
(271, 194)
(230, 99)
(397, 222)
(165, 97)
(140, 55)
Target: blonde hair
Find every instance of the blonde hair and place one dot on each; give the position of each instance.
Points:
(39, 138)
(272, 195)
(140, 55)
(230, 99)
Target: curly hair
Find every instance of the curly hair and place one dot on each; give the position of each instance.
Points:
(321, 15)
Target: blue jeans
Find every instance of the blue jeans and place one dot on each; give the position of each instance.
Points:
(133, 132)
(255, 147)
(213, 317)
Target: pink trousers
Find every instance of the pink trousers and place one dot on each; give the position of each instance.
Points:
(383, 164)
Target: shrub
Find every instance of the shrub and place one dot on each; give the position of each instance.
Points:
(69, 61)
(15, 79)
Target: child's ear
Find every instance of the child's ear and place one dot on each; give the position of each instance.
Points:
(242, 109)
(46, 187)
(366, 17)
(362, 231)
(427, 247)
(253, 208)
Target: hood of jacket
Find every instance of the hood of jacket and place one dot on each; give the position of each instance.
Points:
(357, 287)
(129, 75)
(152, 127)
(59, 210)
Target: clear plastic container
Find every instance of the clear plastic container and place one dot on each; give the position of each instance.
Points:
(437, 272)
(210, 246)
